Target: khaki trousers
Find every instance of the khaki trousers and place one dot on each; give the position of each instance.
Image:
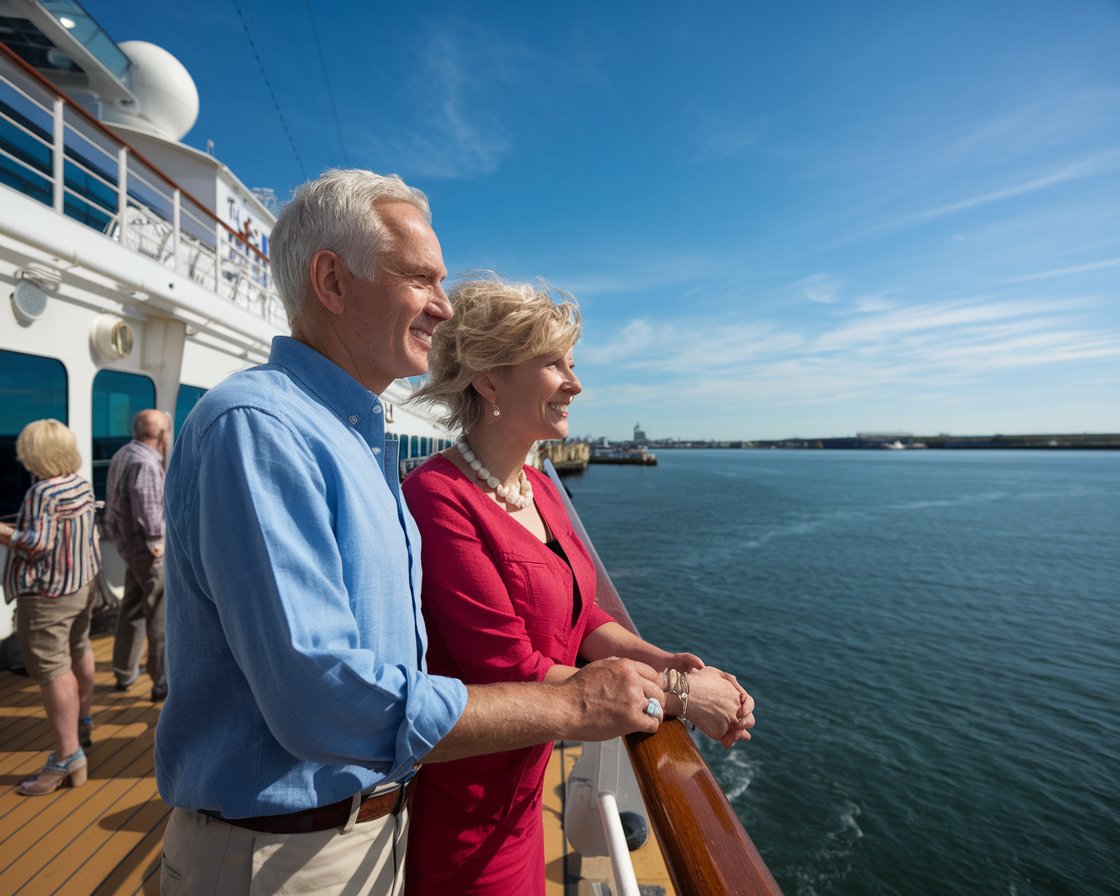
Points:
(205, 855)
(141, 613)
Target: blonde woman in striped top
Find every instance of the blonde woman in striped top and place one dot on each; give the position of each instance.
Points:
(53, 556)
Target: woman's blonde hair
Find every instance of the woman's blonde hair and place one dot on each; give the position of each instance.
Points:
(496, 324)
(47, 448)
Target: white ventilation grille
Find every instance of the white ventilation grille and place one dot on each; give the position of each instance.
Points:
(28, 301)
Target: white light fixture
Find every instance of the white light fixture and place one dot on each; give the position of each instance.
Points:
(112, 337)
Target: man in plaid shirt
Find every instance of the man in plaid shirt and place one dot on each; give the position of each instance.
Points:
(134, 522)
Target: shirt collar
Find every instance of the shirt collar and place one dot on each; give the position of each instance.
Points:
(332, 385)
(148, 448)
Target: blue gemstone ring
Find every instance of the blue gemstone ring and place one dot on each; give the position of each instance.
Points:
(653, 708)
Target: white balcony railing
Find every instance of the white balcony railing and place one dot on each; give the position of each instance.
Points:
(54, 151)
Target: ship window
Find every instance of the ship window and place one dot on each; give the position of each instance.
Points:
(414, 446)
(117, 398)
(188, 398)
(25, 162)
(31, 388)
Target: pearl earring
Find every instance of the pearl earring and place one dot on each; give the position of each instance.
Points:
(497, 411)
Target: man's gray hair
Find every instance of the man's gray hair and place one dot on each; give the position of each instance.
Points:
(335, 211)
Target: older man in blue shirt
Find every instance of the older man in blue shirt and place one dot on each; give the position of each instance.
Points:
(299, 704)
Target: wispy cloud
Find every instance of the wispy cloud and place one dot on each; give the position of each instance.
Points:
(1062, 272)
(973, 162)
(932, 346)
(1049, 121)
(723, 138)
(464, 75)
(821, 288)
(1070, 171)
(625, 270)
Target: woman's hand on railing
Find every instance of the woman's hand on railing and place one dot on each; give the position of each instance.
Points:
(719, 706)
(682, 662)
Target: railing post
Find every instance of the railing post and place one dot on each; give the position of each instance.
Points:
(176, 218)
(58, 160)
(624, 878)
(218, 258)
(122, 195)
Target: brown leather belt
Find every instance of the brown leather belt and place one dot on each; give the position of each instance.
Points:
(323, 818)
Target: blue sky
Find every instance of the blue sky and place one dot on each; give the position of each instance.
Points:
(795, 219)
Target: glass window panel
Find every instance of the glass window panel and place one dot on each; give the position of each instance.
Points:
(117, 398)
(188, 398)
(31, 388)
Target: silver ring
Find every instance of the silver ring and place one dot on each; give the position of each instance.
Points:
(653, 708)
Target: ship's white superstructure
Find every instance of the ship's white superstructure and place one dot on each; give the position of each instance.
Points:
(133, 268)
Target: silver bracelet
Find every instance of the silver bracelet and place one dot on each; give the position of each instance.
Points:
(678, 687)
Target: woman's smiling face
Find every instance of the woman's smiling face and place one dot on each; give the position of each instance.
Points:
(535, 395)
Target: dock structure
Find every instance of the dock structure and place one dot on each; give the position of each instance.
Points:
(567, 457)
(619, 455)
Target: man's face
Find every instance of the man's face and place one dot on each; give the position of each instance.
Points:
(392, 319)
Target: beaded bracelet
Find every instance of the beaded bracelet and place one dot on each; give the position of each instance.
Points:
(678, 687)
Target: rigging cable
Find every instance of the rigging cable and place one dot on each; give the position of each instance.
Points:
(327, 82)
(271, 92)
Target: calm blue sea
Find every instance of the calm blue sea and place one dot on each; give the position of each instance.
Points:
(933, 639)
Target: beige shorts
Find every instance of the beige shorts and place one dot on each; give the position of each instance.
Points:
(53, 632)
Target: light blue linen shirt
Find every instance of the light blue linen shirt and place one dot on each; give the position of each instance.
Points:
(295, 641)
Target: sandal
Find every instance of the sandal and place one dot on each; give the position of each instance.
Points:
(70, 772)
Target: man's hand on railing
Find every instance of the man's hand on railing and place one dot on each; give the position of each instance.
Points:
(611, 697)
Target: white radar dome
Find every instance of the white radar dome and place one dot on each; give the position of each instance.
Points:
(165, 90)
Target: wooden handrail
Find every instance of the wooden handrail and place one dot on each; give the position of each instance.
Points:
(707, 852)
(706, 849)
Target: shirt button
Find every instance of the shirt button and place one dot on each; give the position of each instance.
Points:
(353, 420)
(377, 409)
(376, 450)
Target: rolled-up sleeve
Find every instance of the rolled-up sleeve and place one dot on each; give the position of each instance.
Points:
(39, 531)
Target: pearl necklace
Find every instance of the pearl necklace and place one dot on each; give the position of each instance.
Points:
(520, 499)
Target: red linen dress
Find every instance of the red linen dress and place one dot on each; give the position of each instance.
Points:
(499, 605)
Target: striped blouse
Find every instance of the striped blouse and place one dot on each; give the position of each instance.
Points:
(54, 550)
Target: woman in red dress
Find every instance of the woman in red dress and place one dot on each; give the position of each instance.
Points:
(509, 589)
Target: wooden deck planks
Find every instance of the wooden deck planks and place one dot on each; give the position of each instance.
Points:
(103, 837)
(560, 865)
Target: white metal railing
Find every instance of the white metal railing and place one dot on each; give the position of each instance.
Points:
(624, 878)
(52, 150)
(600, 788)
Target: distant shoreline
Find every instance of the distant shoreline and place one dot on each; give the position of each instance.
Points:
(904, 441)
